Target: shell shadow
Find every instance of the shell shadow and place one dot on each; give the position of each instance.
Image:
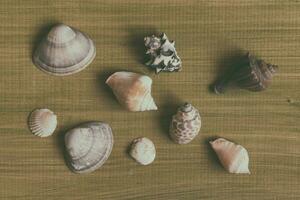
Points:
(226, 64)
(211, 155)
(108, 93)
(166, 111)
(136, 41)
(60, 142)
(41, 33)
(28, 117)
(102, 86)
(127, 150)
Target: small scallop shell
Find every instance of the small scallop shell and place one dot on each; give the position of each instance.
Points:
(64, 51)
(42, 122)
(88, 146)
(132, 90)
(143, 151)
(233, 157)
(185, 124)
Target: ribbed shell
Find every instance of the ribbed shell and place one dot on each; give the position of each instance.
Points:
(132, 90)
(88, 146)
(64, 51)
(250, 73)
(233, 157)
(42, 122)
(185, 124)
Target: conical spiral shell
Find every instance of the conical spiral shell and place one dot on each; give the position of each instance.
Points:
(42, 122)
(88, 146)
(233, 157)
(185, 124)
(132, 90)
(250, 73)
(64, 51)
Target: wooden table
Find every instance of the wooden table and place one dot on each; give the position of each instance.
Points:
(208, 35)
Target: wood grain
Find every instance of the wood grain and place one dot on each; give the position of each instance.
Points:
(208, 35)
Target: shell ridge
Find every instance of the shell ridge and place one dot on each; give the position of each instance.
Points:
(88, 151)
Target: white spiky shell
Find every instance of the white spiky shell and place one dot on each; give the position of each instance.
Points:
(42, 122)
(132, 90)
(88, 146)
(143, 151)
(162, 52)
(185, 124)
(233, 157)
(64, 51)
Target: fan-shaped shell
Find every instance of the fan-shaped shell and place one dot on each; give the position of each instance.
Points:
(143, 151)
(233, 157)
(132, 90)
(64, 51)
(185, 124)
(88, 146)
(250, 73)
(42, 122)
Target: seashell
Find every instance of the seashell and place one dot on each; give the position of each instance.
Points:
(233, 157)
(162, 53)
(143, 151)
(64, 51)
(42, 122)
(88, 146)
(185, 124)
(132, 90)
(250, 73)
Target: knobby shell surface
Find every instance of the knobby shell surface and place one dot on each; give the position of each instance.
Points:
(233, 157)
(185, 124)
(64, 51)
(143, 151)
(251, 73)
(88, 146)
(162, 53)
(132, 90)
(42, 122)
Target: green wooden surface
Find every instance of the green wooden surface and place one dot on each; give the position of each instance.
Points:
(207, 34)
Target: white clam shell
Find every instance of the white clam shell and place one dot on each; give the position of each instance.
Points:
(185, 124)
(42, 122)
(88, 146)
(132, 90)
(143, 151)
(64, 51)
(233, 157)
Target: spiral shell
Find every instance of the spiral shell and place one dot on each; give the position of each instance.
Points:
(233, 157)
(250, 73)
(162, 53)
(64, 51)
(42, 122)
(132, 90)
(185, 124)
(88, 146)
(143, 151)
